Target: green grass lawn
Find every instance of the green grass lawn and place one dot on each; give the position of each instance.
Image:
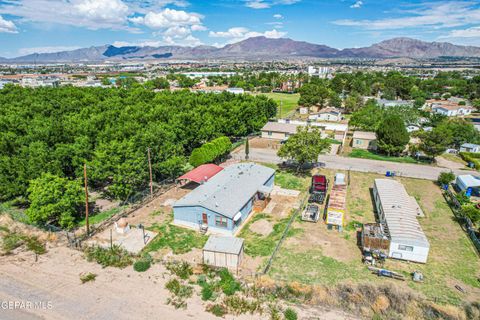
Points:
(287, 103)
(179, 240)
(257, 245)
(101, 216)
(452, 259)
(365, 154)
(288, 179)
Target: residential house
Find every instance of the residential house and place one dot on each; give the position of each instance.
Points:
(364, 140)
(394, 103)
(470, 147)
(449, 108)
(397, 213)
(327, 114)
(223, 203)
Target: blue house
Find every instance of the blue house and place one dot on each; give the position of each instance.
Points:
(225, 201)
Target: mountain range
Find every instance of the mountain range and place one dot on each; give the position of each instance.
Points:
(256, 48)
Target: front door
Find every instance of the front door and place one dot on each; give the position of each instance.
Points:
(204, 218)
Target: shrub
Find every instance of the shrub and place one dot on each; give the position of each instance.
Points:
(34, 245)
(239, 305)
(141, 265)
(183, 270)
(88, 277)
(290, 314)
(445, 178)
(210, 151)
(173, 285)
(217, 309)
(228, 283)
(109, 257)
(207, 292)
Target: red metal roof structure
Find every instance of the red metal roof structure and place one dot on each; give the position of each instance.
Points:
(202, 173)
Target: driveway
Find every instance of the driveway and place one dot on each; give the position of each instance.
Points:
(363, 165)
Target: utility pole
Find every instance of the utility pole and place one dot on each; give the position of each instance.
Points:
(86, 197)
(281, 104)
(150, 169)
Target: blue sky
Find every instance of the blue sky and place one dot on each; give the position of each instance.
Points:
(28, 26)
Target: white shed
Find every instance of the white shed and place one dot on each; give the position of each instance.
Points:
(467, 181)
(226, 252)
(398, 212)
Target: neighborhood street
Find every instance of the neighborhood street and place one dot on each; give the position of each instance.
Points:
(363, 165)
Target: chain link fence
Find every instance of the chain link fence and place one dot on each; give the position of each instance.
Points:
(462, 218)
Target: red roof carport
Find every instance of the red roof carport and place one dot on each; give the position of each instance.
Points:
(202, 173)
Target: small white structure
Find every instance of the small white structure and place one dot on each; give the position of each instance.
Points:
(339, 179)
(122, 226)
(327, 114)
(223, 252)
(398, 212)
(470, 147)
(235, 90)
(467, 181)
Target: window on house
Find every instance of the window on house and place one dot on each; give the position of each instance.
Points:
(405, 248)
(221, 221)
(358, 141)
(269, 133)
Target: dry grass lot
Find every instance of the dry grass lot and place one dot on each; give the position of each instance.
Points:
(317, 255)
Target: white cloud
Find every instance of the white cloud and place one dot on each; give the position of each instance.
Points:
(438, 14)
(278, 16)
(168, 18)
(241, 33)
(91, 14)
(27, 51)
(7, 26)
(175, 26)
(357, 5)
(264, 4)
(472, 32)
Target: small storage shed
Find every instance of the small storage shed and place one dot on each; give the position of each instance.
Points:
(468, 183)
(223, 252)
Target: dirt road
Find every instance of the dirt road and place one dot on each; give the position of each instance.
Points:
(116, 294)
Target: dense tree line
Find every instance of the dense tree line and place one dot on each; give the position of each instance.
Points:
(392, 85)
(56, 130)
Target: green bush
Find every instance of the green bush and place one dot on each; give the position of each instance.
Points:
(141, 265)
(445, 178)
(290, 314)
(109, 257)
(173, 285)
(183, 270)
(227, 282)
(210, 151)
(217, 309)
(471, 157)
(207, 292)
(88, 277)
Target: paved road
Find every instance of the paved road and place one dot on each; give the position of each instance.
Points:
(363, 165)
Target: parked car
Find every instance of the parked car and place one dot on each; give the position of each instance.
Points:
(318, 189)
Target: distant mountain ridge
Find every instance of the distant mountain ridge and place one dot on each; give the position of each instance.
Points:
(256, 48)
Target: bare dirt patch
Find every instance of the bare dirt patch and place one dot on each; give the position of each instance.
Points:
(158, 210)
(263, 227)
(261, 143)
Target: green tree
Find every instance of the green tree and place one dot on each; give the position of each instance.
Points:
(54, 199)
(305, 146)
(435, 142)
(445, 178)
(367, 118)
(392, 136)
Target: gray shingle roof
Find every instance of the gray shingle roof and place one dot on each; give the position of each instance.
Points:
(400, 213)
(230, 245)
(230, 189)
